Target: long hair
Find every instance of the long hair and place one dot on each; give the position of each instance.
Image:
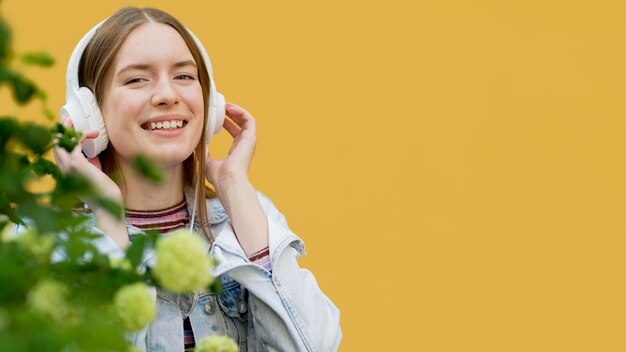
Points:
(93, 66)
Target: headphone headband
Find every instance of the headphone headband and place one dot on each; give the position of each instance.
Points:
(71, 76)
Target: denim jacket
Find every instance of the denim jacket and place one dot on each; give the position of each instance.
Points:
(280, 311)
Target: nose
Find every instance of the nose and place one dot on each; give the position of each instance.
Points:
(164, 93)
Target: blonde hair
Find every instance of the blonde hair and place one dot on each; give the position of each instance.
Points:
(94, 64)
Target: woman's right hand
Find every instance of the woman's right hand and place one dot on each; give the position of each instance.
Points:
(90, 168)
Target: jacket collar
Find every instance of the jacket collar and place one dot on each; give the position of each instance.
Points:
(215, 210)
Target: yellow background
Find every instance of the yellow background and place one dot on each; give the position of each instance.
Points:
(456, 168)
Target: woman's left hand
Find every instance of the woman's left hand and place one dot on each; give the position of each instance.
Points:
(229, 176)
(234, 167)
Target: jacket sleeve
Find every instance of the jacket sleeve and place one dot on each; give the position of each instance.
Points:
(289, 311)
(103, 243)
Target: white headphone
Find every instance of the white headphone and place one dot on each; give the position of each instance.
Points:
(82, 107)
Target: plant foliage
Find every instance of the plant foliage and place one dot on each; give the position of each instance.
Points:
(56, 288)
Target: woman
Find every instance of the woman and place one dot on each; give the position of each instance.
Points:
(151, 85)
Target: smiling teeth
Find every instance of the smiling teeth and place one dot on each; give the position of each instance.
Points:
(166, 125)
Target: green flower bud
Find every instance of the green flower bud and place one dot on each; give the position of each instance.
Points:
(182, 263)
(6, 235)
(216, 343)
(49, 298)
(134, 305)
(121, 263)
(39, 245)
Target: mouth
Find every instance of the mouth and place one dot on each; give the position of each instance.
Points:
(164, 125)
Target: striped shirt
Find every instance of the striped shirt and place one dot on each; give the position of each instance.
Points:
(163, 220)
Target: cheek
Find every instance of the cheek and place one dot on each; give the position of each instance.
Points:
(195, 100)
(119, 119)
(123, 112)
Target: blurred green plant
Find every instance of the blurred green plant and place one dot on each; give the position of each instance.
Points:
(23, 89)
(57, 291)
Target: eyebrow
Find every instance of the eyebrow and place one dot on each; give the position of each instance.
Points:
(146, 66)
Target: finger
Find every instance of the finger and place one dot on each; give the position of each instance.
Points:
(231, 127)
(72, 160)
(95, 162)
(82, 165)
(88, 135)
(62, 157)
(229, 105)
(247, 143)
(238, 114)
(246, 125)
(249, 129)
(66, 121)
(241, 117)
(78, 150)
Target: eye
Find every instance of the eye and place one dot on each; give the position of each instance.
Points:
(134, 80)
(185, 77)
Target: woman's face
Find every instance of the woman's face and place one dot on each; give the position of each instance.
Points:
(152, 101)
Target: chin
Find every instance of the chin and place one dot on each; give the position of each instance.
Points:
(171, 157)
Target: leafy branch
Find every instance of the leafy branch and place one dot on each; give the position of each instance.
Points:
(58, 291)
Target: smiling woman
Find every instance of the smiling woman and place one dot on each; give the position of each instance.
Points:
(148, 82)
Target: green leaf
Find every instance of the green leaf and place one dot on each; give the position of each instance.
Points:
(68, 138)
(69, 188)
(23, 89)
(8, 126)
(216, 286)
(38, 59)
(139, 244)
(46, 219)
(41, 95)
(43, 166)
(147, 169)
(57, 128)
(5, 40)
(112, 207)
(7, 209)
(49, 114)
(36, 138)
(135, 250)
(14, 174)
(6, 75)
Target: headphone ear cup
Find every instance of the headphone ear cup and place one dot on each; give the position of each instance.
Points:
(217, 110)
(93, 147)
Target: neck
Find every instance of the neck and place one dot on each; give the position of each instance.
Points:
(143, 194)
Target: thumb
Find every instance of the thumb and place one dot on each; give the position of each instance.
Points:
(95, 162)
